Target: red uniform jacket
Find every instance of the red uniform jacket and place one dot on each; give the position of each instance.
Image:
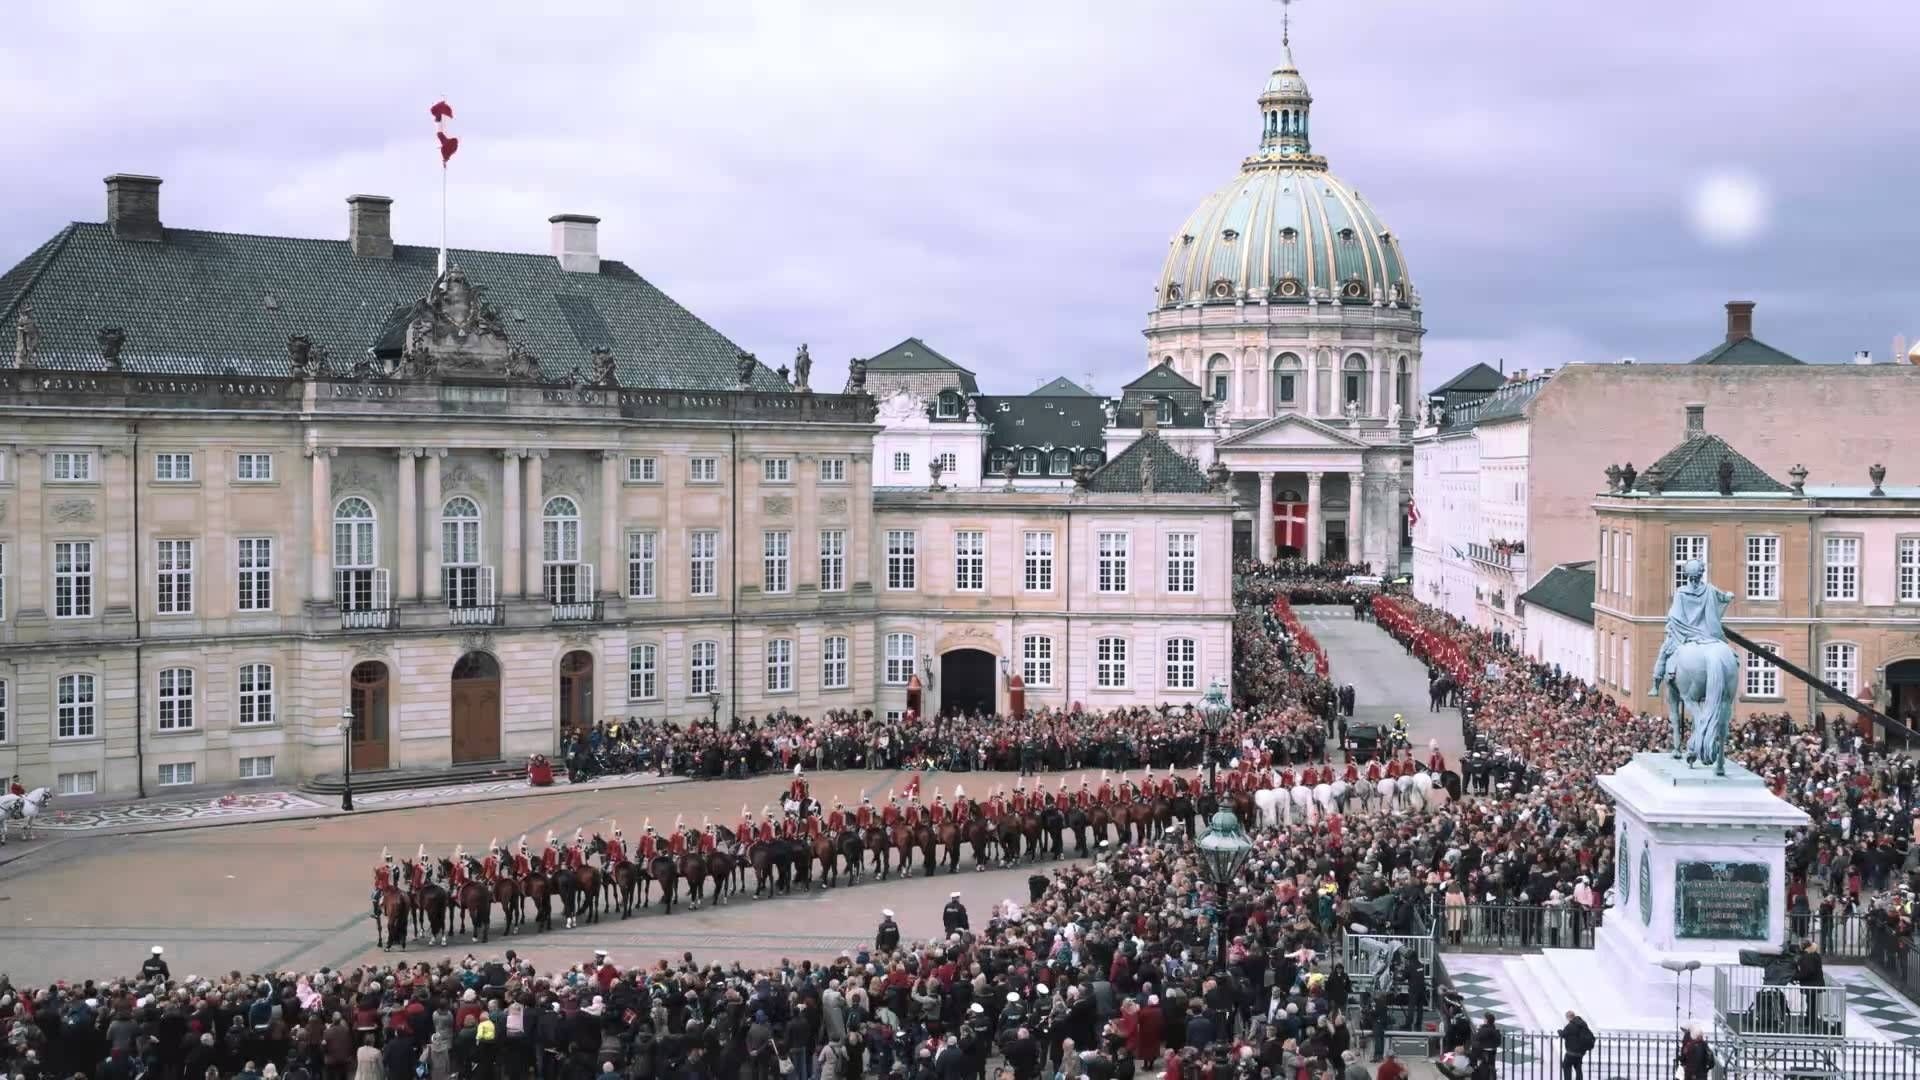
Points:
(576, 857)
(961, 810)
(998, 806)
(649, 846)
(709, 842)
(489, 869)
(797, 790)
(522, 866)
(1286, 778)
(1105, 797)
(1352, 775)
(1373, 771)
(616, 851)
(938, 812)
(1437, 761)
(382, 877)
(1166, 787)
(677, 843)
(550, 860)
(765, 833)
(890, 815)
(419, 876)
(1395, 768)
(863, 817)
(836, 820)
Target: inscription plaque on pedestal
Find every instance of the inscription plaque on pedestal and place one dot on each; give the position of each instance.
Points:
(1723, 900)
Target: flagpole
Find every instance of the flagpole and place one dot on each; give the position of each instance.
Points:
(443, 218)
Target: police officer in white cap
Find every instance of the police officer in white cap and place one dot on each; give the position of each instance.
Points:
(155, 967)
(954, 916)
(887, 938)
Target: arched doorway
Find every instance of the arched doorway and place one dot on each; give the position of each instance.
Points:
(476, 708)
(368, 696)
(576, 691)
(1903, 691)
(967, 682)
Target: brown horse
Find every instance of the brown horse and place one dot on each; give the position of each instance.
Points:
(586, 882)
(430, 903)
(949, 837)
(1006, 834)
(923, 839)
(662, 871)
(538, 888)
(823, 849)
(506, 893)
(875, 841)
(720, 866)
(903, 845)
(1030, 833)
(475, 902)
(395, 909)
(693, 871)
(1245, 809)
(980, 837)
(1139, 822)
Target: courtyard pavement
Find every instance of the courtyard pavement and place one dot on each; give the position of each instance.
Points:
(1385, 678)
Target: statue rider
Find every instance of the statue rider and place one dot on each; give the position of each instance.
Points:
(1694, 617)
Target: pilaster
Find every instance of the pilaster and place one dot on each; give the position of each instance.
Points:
(430, 501)
(320, 523)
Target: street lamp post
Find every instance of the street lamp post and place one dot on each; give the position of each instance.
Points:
(346, 758)
(1214, 710)
(713, 703)
(1223, 851)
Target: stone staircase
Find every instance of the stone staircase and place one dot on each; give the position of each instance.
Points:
(476, 772)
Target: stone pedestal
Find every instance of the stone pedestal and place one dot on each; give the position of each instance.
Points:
(1700, 875)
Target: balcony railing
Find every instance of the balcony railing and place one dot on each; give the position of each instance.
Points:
(474, 615)
(579, 611)
(1490, 555)
(369, 618)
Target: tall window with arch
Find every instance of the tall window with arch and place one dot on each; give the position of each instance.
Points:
(358, 584)
(566, 579)
(463, 580)
(1354, 383)
(1219, 383)
(1286, 381)
(1402, 384)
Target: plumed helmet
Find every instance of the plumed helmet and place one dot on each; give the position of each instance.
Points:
(385, 855)
(523, 841)
(493, 844)
(579, 836)
(959, 791)
(551, 842)
(421, 855)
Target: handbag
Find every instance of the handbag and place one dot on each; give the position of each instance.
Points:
(785, 1065)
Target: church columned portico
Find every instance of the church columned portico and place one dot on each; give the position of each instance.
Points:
(1320, 491)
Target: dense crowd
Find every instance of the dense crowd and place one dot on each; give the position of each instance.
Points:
(1303, 582)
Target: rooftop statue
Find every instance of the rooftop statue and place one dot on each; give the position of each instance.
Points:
(1698, 668)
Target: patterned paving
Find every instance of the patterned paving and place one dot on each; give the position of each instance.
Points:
(1889, 1014)
(161, 811)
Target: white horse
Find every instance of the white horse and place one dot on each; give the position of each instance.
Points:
(1323, 797)
(1361, 792)
(26, 807)
(1271, 803)
(1302, 798)
(1405, 797)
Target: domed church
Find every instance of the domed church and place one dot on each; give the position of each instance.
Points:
(1286, 303)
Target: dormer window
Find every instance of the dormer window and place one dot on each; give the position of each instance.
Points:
(1288, 287)
(998, 460)
(1030, 462)
(1348, 238)
(1354, 290)
(948, 407)
(1164, 411)
(1222, 289)
(1061, 462)
(1230, 235)
(1091, 459)
(1174, 293)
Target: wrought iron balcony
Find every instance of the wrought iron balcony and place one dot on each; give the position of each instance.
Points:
(575, 611)
(369, 618)
(474, 615)
(1502, 556)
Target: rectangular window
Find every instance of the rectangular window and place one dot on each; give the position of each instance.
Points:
(254, 467)
(6, 729)
(776, 470)
(173, 563)
(1114, 548)
(74, 716)
(833, 663)
(77, 783)
(172, 467)
(833, 560)
(73, 579)
(1183, 561)
(702, 560)
(1840, 665)
(256, 694)
(1183, 669)
(1763, 679)
(1606, 559)
(643, 470)
(642, 547)
(1286, 388)
(779, 666)
(1684, 548)
(903, 566)
(258, 767)
(703, 669)
(176, 699)
(643, 673)
(1110, 664)
(1039, 575)
(70, 466)
(1763, 568)
(1908, 572)
(833, 470)
(902, 461)
(3, 581)
(1036, 659)
(902, 658)
(703, 470)
(1219, 388)
(176, 773)
(970, 561)
(1626, 560)
(1843, 568)
(949, 461)
(775, 552)
(254, 564)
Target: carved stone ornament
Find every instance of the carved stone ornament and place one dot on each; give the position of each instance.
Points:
(71, 511)
(901, 406)
(370, 648)
(562, 479)
(1146, 478)
(304, 358)
(453, 331)
(353, 478)
(856, 375)
(1877, 473)
(744, 365)
(26, 339)
(459, 477)
(603, 369)
(112, 339)
(776, 505)
(477, 641)
(832, 504)
(578, 639)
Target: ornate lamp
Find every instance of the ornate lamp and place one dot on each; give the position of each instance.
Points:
(1223, 851)
(1213, 712)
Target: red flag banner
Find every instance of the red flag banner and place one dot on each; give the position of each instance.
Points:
(1413, 513)
(443, 112)
(1290, 525)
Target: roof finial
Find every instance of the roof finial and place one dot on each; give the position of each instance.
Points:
(1286, 21)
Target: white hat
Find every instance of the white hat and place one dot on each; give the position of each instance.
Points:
(421, 855)
(976, 1007)
(549, 837)
(959, 791)
(1433, 744)
(886, 913)
(157, 950)
(599, 952)
(796, 770)
(953, 896)
(1013, 996)
(385, 855)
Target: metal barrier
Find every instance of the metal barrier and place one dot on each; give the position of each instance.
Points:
(1745, 1004)
(1618, 1055)
(1514, 926)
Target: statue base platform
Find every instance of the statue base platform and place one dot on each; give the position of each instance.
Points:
(1700, 875)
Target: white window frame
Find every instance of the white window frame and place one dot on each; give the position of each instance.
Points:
(253, 467)
(73, 568)
(703, 562)
(1115, 552)
(1760, 680)
(643, 672)
(465, 583)
(902, 658)
(1037, 574)
(174, 774)
(1606, 560)
(1036, 660)
(1183, 664)
(643, 469)
(1030, 462)
(643, 564)
(1906, 571)
(776, 561)
(76, 706)
(970, 560)
(71, 783)
(779, 665)
(254, 696)
(253, 573)
(1837, 658)
(1183, 563)
(1110, 664)
(256, 771)
(6, 728)
(173, 467)
(833, 470)
(903, 560)
(949, 461)
(703, 469)
(1840, 565)
(356, 555)
(1763, 566)
(173, 706)
(703, 669)
(833, 560)
(3, 581)
(776, 470)
(947, 406)
(1624, 573)
(1686, 546)
(902, 461)
(561, 570)
(835, 664)
(70, 467)
(173, 563)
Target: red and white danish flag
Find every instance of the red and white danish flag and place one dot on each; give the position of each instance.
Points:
(443, 112)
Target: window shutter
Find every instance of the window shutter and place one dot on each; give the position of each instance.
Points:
(585, 583)
(382, 590)
(486, 587)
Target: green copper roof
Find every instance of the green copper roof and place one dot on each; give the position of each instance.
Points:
(1567, 590)
(225, 303)
(1172, 470)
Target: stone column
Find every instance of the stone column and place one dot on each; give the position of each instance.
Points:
(121, 474)
(1313, 516)
(31, 563)
(530, 581)
(408, 554)
(1262, 381)
(430, 502)
(320, 525)
(1312, 363)
(1263, 519)
(1356, 516)
(1390, 536)
(612, 582)
(510, 522)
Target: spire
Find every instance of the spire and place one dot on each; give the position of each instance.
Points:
(1285, 106)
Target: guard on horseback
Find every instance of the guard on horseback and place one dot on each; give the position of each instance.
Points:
(550, 858)
(616, 847)
(789, 826)
(837, 818)
(489, 866)
(15, 787)
(1352, 773)
(890, 813)
(709, 836)
(677, 841)
(522, 862)
(765, 833)
(577, 851)
(383, 878)
(649, 845)
(961, 808)
(417, 880)
(938, 811)
(1436, 761)
(1105, 796)
(863, 816)
(797, 790)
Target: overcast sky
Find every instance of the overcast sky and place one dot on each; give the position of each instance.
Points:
(1572, 181)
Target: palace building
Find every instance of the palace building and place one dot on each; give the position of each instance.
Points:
(269, 503)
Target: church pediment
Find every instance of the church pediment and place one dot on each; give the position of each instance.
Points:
(1291, 433)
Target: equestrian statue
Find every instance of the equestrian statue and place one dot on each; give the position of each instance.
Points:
(1698, 668)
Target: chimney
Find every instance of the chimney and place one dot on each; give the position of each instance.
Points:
(1739, 320)
(576, 242)
(370, 225)
(133, 207)
(1696, 420)
(1863, 357)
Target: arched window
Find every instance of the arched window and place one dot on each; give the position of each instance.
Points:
(1219, 371)
(460, 571)
(1402, 384)
(1286, 381)
(567, 579)
(357, 584)
(1062, 460)
(1030, 462)
(1355, 383)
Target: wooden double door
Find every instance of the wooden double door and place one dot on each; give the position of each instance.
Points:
(476, 708)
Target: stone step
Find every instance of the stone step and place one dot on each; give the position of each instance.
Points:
(416, 779)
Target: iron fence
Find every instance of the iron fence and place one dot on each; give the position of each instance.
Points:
(1618, 1055)
(1481, 927)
